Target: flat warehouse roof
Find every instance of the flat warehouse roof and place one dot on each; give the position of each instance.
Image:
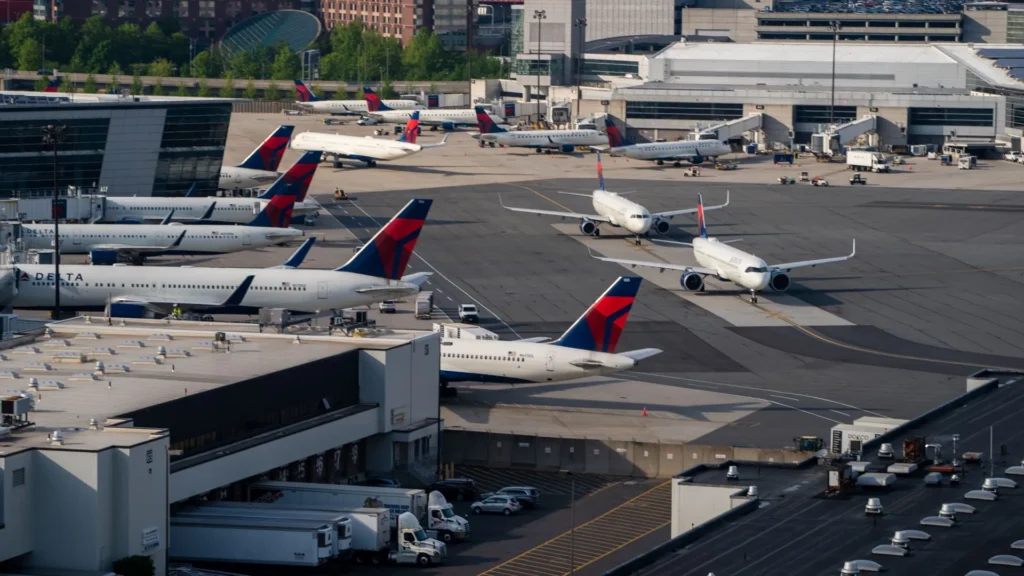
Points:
(806, 52)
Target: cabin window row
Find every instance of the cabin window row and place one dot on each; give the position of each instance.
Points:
(485, 357)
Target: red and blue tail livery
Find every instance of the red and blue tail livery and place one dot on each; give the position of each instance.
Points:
(268, 155)
(373, 101)
(296, 180)
(601, 325)
(53, 85)
(387, 254)
(303, 92)
(412, 128)
(700, 216)
(485, 123)
(615, 137)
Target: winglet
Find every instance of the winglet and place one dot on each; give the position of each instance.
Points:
(854, 253)
(192, 191)
(238, 295)
(599, 328)
(387, 254)
(209, 211)
(178, 241)
(299, 256)
(167, 219)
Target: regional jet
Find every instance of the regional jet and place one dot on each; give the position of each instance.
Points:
(695, 151)
(563, 140)
(367, 149)
(309, 101)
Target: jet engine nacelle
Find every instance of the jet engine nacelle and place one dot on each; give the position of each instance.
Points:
(661, 226)
(697, 160)
(567, 148)
(587, 227)
(691, 282)
(779, 282)
(448, 126)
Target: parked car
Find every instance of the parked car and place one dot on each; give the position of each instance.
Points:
(468, 313)
(455, 488)
(858, 179)
(367, 121)
(387, 307)
(528, 496)
(506, 505)
(382, 482)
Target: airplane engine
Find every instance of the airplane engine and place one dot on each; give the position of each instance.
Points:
(779, 282)
(587, 227)
(447, 126)
(691, 282)
(567, 148)
(697, 160)
(661, 226)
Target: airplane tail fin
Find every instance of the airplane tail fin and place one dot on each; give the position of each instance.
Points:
(599, 328)
(700, 216)
(53, 85)
(615, 137)
(298, 177)
(277, 213)
(600, 172)
(387, 254)
(267, 156)
(412, 129)
(485, 123)
(373, 101)
(303, 92)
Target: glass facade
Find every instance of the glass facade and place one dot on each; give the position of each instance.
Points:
(26, 165)
(610, 67)
(820, 114)
(1015, 26)
(191, 149)
(951, 117)
(684, 110)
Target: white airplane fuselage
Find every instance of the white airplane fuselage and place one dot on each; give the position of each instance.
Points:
(622, 212)
(198, 239)
(89, 287)
(236, 178)
(513, 362)
(670, 151)
(436, 117)
(733, 264)
(354, 107)
(355, 147)
(136, 209)
(546, 138)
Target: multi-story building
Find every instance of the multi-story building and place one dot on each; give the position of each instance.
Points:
(391, 18)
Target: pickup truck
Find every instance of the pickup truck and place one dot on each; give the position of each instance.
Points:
(468, 313)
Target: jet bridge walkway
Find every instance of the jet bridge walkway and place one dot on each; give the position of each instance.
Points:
(732, 129)
(832, 141)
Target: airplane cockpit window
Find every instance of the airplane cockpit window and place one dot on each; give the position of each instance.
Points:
(760, 269)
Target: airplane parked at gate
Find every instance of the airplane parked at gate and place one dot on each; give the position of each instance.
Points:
(372, 275)
(614, 210)
(719, 259)
(310, 101)
(367, 149)
(563, 140)
(136, 210)
(446, 119)
(695, 151)
(260, 167)
(586, 349)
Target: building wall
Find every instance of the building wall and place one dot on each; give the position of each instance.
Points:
(392, 19)
(988, 26)
(613, 18)
(776, 120)
(695, 504)
(557, 39)
(16, 513)
(737, 24)
(812, 26)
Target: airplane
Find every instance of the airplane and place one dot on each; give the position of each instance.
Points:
(586, 349)
(719, 259)
(693, 150)
(310, 101)
(614, 210)
(110, 243)
(260, 167)
(372, 275)
(447, 120)
(136, 210)
(564, 140)
(367, 149)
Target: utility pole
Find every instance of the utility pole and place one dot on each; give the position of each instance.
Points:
(581, 25)
(835, 27)
(53, 135)
(470, 20)
(539, 16)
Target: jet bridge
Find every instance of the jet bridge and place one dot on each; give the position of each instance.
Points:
(733, 129)
(831, 142)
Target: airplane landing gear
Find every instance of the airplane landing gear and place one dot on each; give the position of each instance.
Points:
(677, 164)
(753, 297)
(661, 162)
(637, 241)
(372, 164)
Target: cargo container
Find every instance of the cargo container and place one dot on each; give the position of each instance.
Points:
(340, 521)
(251, 541)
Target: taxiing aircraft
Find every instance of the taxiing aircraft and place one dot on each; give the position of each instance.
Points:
(373, 274)
(586, 349)
(136, 210)
(722, 261)
(615, 210)
(446, 119)
(563, 140)
(694, 151)
(260, 167)
(310, 101)
(367, 149)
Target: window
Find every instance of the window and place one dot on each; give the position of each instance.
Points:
(821, 114)
(609, 67)
(951, 117)
(684, 110)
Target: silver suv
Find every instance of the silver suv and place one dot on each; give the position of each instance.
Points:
(506, 505)
(528, 496)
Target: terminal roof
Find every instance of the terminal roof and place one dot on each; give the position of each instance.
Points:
(846, 52)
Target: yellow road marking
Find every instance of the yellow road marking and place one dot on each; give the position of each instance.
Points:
(621, 546)
(555, 202)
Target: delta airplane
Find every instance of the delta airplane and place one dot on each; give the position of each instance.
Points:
(586, 349)
(368, 149)
(448, 120)
(693, 150)
(614, 210)
(110, 243)
(310, 101)
(260, 167)
(372, 275)
(135, 210)
(563, 140)
(728, 264)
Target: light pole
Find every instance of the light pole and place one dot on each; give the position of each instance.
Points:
(835, 27)
(539, 16)
(53, 135)
(581, 25)
(470, 19)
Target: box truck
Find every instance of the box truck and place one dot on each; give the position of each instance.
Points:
(866, 160)
(342, 524)
(251, 541)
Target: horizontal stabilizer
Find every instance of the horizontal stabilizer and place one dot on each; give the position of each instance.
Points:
(536, 340)
(417, 278)
(641, 354)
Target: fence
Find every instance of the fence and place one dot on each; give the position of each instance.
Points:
(263, 107)
(595, 455)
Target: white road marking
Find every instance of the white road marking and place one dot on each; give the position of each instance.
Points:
(785, 397)
(843, 414)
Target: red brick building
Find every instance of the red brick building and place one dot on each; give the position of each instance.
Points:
(391, 18)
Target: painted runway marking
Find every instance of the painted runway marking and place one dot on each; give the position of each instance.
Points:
(785, 398)
(843, 414)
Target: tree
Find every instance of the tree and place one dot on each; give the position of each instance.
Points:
(67, 86)
(250, 90)
(115, 80)
(158, 87)
(30, 55)
(272, 92)
(206, 65)
(182, 91)
(90, 84)
(137, 87)
(287, 65)
(204, 89)
(386, 90)
(228, 89)
(423, 58)
(161, 67)
(154, 42)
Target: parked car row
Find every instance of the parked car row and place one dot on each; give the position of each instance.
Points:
(508, 500)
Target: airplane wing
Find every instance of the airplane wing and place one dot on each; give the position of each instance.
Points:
(296, 259)
(672, 213)
(808, 263)
(640, 354)
(167, 219)
(575, 215)
(538, 339)
(662, 266)
(443, 141)
(164, 304)
(130, 249)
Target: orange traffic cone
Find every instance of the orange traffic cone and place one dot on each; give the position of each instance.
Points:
(645, 411)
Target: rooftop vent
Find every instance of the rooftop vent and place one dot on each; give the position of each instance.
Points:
(733, 473)
(1006, 560)
(900, 540)
(116, 368)
(874, 506)
(37, 367)
(889, 550)
(87, 336)
(980, 495)
(948, 511)
(83, 377)
(93, 425)
(916, 534)
(752, 492)
(50, 385)
(1015, 470)
(937, 521)
(1004, 483)
(981, 573)
(56, 438)
(103, 352)
(960, 508)
(866, 565)
(933, 479)
(850, 569)
(885, 451)
(26, 350)
(990, 485)
(148, 360)
(236, 338)
(59, 343)
(69, 356)
(204, 345)
(161, 337)
(132, 344)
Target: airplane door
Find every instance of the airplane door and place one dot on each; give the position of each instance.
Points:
(246, 240)
(321, 290)
(76, 239)
(257, 207)
(549, 365)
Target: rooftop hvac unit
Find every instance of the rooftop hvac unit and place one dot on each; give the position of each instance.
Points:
(15, 405)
